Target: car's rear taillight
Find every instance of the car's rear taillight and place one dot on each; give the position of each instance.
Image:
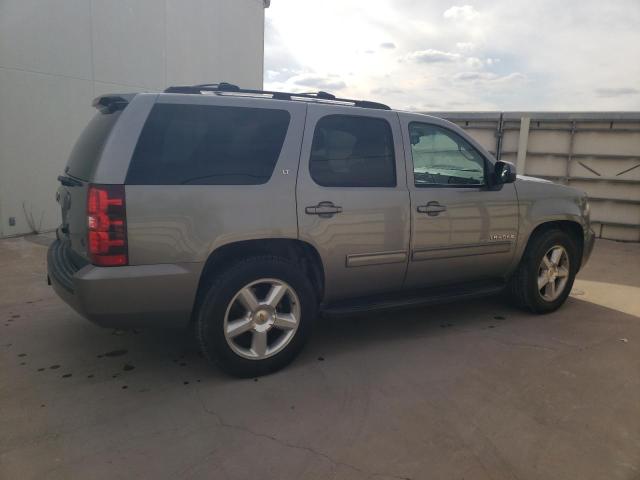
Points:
(107, 225)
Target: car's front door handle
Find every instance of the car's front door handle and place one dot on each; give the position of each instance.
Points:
(323, 209)
(432, 208)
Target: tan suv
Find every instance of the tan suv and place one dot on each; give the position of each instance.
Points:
(249, 212)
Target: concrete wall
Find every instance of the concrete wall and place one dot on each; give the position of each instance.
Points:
(595, 152)
(57, 55)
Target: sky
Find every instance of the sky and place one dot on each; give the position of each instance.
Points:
(434, 55)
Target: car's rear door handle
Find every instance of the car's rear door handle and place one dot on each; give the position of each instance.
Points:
(323, 209)
(432, 208)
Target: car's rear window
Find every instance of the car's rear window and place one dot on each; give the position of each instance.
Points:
(86, 152)
(208, 145)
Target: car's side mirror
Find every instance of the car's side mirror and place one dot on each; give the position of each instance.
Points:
(504, 172)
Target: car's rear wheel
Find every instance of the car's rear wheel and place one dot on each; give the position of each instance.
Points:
(256, 316)
(546, 272)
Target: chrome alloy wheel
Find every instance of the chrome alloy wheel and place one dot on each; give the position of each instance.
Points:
(553, 273)
(262, 318)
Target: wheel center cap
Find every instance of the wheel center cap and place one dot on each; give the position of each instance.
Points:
(263, 317)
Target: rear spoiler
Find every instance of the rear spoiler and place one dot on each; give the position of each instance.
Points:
(112, 102)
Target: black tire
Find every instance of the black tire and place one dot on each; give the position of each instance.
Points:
(213, 307)
(523, 285)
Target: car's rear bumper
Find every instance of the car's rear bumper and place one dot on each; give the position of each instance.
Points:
(124, 297)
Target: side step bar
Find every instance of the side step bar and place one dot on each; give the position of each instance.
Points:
(413, 298)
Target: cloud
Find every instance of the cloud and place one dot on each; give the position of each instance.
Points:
(329, 82)
(388, 45)
(387, 91)
(488, 77)
(465, 46)
(464, 13)
(281, 75)
(433, 56)
(438, 56)
(616, 92)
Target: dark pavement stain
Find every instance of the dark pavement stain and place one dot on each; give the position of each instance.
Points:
(41, 369)
(127, 367)
(66, 375)
(255, 379)
(54, 367)
(90, 376)
(116, 353)
(124, 387)
(15, 316)
(185, 383)
(23, 363)
(22, 355)
(499, 317)
(321, 359)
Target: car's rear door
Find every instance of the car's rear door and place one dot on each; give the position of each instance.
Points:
(352, 199)
(79, 172)
(463, 229)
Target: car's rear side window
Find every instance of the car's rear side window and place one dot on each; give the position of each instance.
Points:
(87, 150)
(208, 145)
(352, 151)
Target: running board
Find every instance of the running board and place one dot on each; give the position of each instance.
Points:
(413, 298)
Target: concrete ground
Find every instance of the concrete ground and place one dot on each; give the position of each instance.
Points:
(476, 391)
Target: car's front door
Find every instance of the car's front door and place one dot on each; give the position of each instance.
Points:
(463, 228)
(352, 199)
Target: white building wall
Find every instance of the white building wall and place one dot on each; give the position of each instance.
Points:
(56, 56)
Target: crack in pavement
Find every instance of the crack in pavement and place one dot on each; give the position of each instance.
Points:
(283, 443)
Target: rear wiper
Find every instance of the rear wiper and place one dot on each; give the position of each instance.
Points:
(68, 181)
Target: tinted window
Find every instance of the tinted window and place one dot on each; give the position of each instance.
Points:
(208, 145)
(350, 151)
(86, 152)
(442, 157)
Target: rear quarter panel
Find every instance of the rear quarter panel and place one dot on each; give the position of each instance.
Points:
(185, 223)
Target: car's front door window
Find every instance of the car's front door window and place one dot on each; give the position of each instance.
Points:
(441, 157)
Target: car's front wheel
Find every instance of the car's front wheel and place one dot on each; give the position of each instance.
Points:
(256, 316)
(546, 272)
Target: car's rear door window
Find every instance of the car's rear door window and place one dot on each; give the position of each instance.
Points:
(208, 145)
(352, 151)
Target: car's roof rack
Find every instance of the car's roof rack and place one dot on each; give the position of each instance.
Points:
(225, 88)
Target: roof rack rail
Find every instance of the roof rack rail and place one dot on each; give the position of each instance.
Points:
(229, 88)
